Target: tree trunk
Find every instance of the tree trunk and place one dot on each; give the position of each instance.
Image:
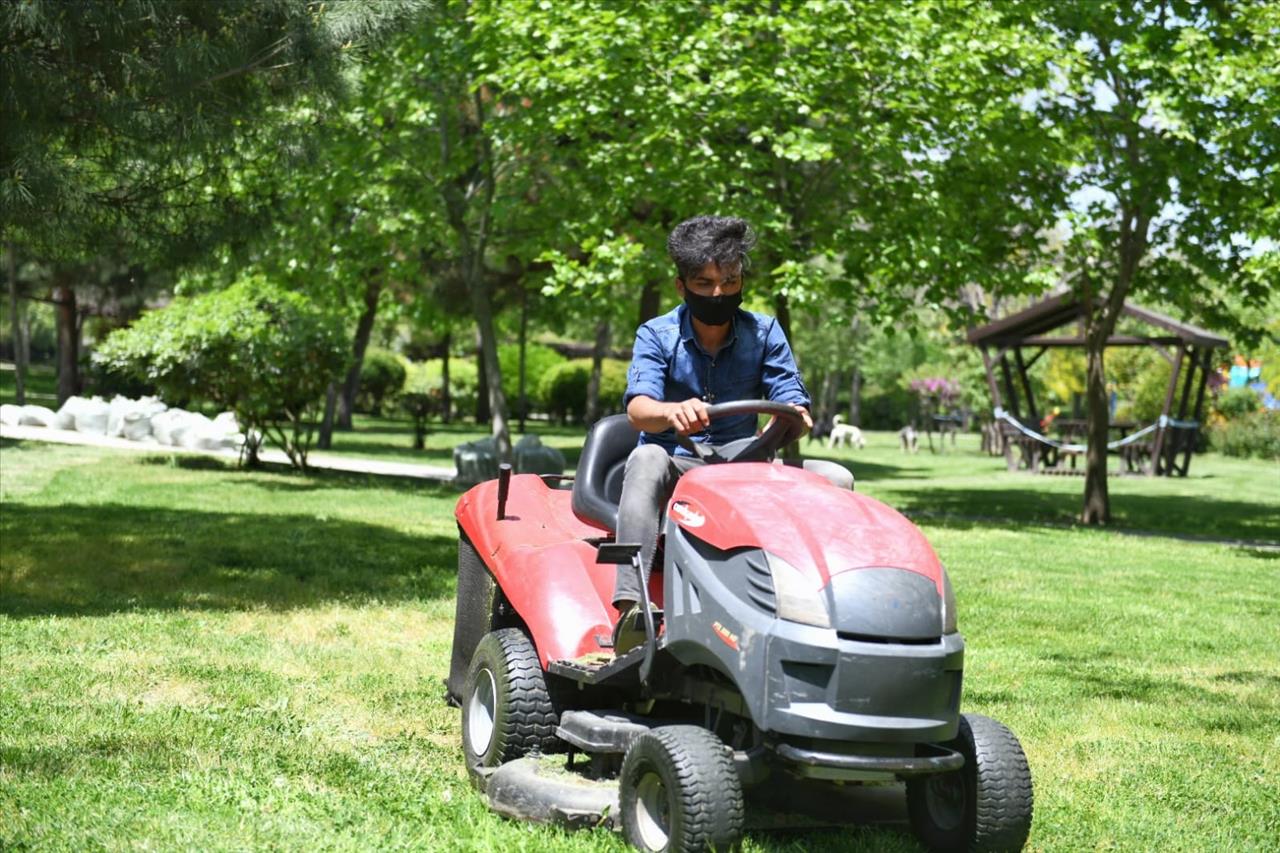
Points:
(325, 440)
(650, 301)
(19, 348)
(446, 396)
(827, 397)
(782, 310)
(482, 307)
(855, 397)
(1101, 311)
(1097, 505)
(523, 401)
(364, 329)
(594, 409)
(26, 336)
(64, 297)
(783, 313)
(484, 412)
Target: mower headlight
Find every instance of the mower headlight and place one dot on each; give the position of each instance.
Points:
(948, 605)
(798, 600)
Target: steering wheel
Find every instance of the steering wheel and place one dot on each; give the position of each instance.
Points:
(786, 428)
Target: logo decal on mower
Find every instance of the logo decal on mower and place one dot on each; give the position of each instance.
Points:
(687, 515)
(730, 638)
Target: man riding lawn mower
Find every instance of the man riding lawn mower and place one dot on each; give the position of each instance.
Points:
(792, 631)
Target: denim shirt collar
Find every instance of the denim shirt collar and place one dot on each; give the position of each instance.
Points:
(687, 333)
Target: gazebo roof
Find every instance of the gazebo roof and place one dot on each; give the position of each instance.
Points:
(1029, 325)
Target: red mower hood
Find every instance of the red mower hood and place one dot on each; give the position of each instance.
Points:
(800, 517)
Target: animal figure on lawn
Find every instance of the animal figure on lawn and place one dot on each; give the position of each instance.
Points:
(908, 439)
(821, 429)
(845, 435)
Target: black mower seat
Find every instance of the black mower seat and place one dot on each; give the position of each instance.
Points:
(597, 485)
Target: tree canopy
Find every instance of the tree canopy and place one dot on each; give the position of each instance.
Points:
(907, 166)
(134, 120)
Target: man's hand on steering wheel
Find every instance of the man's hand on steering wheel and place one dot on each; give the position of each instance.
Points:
(791, 422)
(687, 417)
(804, 413)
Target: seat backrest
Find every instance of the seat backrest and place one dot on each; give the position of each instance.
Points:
(597, 485)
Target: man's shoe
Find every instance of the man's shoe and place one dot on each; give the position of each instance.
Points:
(628, 633)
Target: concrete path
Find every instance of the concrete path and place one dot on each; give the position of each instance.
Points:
(435, 473)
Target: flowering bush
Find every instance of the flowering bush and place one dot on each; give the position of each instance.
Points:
(943, 393)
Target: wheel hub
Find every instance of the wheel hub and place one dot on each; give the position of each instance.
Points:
(481, 710)
(945, 798)
(653, 811)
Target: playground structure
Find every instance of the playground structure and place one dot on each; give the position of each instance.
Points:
(1152, 449)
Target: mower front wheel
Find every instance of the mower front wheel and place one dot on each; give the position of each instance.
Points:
(679, 792)
(985, 805)
(507, 710)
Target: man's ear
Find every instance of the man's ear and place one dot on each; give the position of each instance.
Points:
(679, 286)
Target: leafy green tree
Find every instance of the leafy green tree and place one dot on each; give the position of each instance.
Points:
(1160, 119)
(134, 124)
(261, 351)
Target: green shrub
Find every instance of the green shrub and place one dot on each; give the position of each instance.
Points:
(564, 388)
(1253, 434)
(382, 375)
(1150, 388)
(1235, 403)
(889, 408)
(105, 381)
(427, 377)
(539, 360)
(263, 352)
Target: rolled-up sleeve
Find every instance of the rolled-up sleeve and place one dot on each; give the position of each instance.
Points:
(781, 379)
(647, 376)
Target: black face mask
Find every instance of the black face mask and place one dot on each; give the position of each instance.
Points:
(712, 310)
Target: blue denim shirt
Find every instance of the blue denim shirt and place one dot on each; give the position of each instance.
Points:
(668, 364)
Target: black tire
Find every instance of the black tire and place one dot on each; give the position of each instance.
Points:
(507, 712)
(985, 805)
(679, 792)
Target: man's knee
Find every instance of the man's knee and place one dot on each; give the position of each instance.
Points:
(836, 474)
(648, 460)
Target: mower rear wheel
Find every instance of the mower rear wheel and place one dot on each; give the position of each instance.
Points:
(507, 711)
(679, 791)
(986, 804)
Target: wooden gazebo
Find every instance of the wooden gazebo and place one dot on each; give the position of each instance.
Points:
(1012, 345)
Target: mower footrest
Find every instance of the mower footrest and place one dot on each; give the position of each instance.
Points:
(619, 670)
(601, 731)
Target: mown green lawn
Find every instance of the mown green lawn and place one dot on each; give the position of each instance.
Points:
(202, 658)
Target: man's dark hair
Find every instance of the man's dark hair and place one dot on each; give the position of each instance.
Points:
(722, 240)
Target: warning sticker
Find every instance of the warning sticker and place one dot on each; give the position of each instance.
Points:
(730, 638)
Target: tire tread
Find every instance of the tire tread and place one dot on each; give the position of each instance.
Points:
(709, 790)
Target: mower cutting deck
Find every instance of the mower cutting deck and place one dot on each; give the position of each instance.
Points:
(797, 632)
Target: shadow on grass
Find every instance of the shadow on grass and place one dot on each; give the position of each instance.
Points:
(1178, 516)
(319, 479)
(189, 462)
(93, 560)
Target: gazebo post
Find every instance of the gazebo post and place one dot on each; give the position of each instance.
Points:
(1195, 431)
(1026, 384)
(994, 386)
(1171, 466)
(1014, 408)
(1157, 448)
